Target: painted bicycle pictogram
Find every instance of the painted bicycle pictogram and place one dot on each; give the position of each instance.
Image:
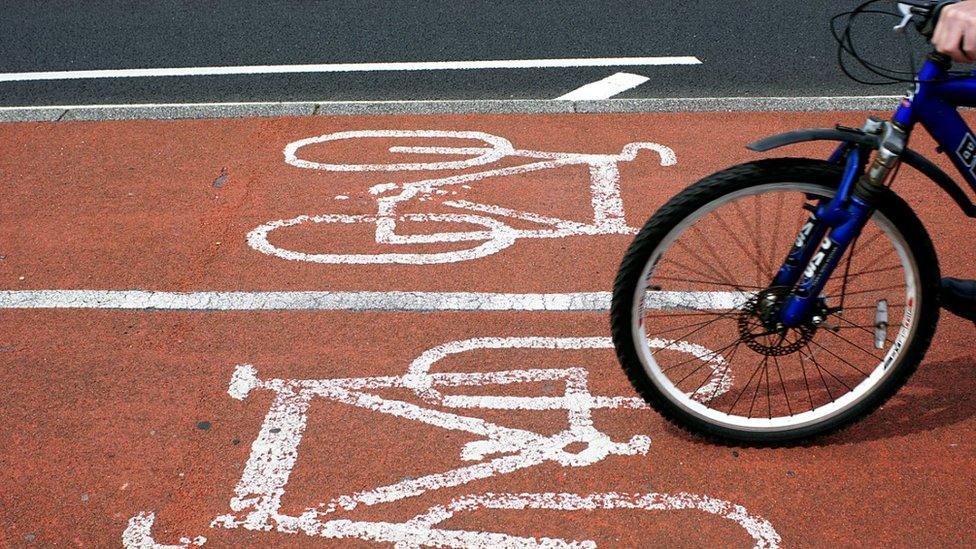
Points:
(493, 233)
(495, 450)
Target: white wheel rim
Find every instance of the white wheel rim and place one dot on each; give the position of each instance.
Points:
(820, 414)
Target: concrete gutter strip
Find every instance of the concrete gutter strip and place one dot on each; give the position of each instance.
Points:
(515, 106)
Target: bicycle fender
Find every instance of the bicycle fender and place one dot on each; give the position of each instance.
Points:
(812, 134)
(915, 160)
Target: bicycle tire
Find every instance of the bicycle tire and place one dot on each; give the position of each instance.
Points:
(738, 178)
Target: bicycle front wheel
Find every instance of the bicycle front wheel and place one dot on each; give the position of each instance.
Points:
(692, 281)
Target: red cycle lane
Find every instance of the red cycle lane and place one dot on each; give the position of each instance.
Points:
(226, 342)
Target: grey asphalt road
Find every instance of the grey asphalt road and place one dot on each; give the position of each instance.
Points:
(747, 48)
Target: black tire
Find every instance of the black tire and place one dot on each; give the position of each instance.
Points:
(695, 198)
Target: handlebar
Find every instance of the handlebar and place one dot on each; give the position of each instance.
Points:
(927, 12)
(925, 16)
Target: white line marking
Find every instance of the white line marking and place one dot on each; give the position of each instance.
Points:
(352, 301)
(352, 67)
(606, 88)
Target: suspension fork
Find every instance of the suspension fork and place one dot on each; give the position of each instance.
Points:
(833, 225)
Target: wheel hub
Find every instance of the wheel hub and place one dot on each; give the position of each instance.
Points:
(760, 330)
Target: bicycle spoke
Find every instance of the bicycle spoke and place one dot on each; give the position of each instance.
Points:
(806, 382)
(728, 364)
(847, 276)
(758, 240)
(756, 371)
(753, 230)
(695, 331)
(831, 353)
(672, 261)
(710, 356)
(711, 251)
(869, 291)
(819, 371)
(870, 240)
(783, 385)
(714, 282)
(704, 362)
(860, 327)
(666, 313)
(769, 401)
(709, 266)
(861, 307)
(758, 385)
(669, 330)
(831, 374)
(875, 271)
(735, 238)
(684, 338)
(876, 259)
(855, 345)
(776, 230)
(847, 271)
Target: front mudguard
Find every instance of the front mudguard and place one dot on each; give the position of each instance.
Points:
(857, 137)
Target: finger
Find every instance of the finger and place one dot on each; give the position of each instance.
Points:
(969, 45)
(938, 38)
(950, 31)
(958, 53)
(947, 35)
(950, 42)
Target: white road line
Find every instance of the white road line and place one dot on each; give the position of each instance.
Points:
(606, 88)
(351, 67)
(351, 301)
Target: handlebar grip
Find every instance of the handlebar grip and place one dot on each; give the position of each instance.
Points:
(926, 27)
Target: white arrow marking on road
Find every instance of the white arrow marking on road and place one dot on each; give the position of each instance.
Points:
(606, 88)
(352, 67)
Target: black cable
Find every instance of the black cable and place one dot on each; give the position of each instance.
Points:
(873, 65)
(845, 43)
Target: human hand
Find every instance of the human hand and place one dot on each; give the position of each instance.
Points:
(955, 34)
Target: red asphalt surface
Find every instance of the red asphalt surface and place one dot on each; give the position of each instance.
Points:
(102, 413)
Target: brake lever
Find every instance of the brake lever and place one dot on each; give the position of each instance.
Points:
(907, 15)
(927, 27)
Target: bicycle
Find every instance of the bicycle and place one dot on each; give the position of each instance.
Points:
(842, 277)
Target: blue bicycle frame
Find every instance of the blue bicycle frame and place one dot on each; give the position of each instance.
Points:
(836, 223)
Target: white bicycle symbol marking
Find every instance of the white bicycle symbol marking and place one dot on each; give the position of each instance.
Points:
(605, 198)
(497, 450)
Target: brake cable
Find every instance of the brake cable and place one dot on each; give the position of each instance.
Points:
(845, 44)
